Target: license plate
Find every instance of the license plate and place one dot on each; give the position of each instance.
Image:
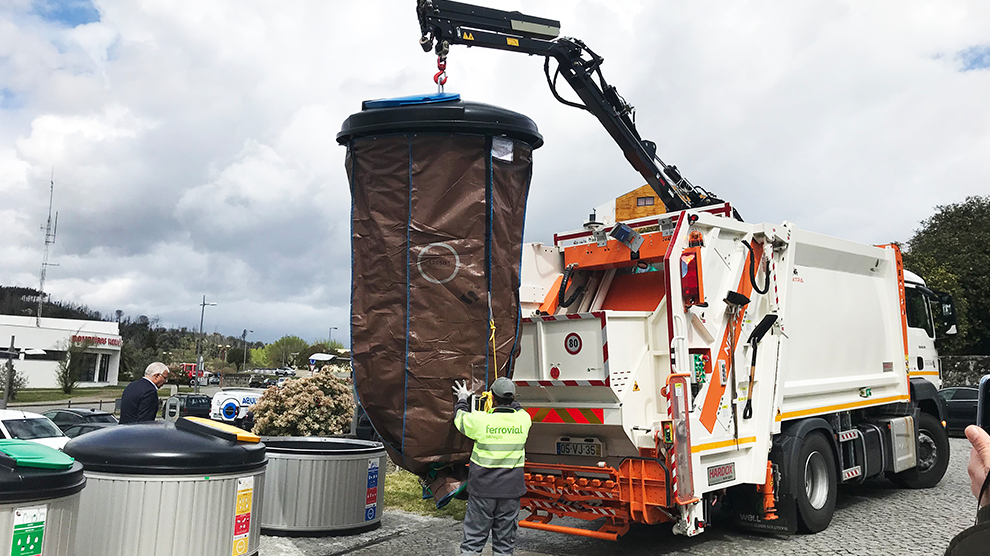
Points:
(579, 449)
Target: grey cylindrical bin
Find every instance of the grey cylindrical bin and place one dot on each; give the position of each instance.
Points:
(160, 489)
(322, 485)
(39, 499)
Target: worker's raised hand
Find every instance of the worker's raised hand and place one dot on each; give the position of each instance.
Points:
(461, 390)
(979, 461)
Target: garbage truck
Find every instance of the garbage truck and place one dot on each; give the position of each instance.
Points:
(685, 366)
(688, 365)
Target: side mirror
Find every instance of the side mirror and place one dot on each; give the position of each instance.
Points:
(944, 310)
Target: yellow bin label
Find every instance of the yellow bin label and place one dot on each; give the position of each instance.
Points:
(242, 515)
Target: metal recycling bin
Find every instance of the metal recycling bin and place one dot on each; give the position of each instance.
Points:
(322, 485)
(194, 487)
(39, 499)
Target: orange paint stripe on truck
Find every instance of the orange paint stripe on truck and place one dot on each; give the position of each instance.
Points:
(716, 389)
(721, 444)
(841, 407)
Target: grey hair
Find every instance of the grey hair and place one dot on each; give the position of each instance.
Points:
(156, 368)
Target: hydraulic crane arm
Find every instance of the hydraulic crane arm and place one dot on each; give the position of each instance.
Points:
(444, 23)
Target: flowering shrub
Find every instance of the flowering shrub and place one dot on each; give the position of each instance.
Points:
(320, 405)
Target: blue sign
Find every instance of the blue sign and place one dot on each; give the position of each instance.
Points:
(369, 513)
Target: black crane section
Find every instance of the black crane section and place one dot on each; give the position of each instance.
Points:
(444, 23)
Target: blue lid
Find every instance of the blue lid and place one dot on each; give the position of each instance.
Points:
(411, 100)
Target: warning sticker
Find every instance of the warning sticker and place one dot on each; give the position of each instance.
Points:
(29, 531)
(371, 496)
(242, 515)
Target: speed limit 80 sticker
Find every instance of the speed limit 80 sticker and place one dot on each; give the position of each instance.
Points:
(572, 343)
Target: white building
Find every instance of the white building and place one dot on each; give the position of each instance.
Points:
(101, 359)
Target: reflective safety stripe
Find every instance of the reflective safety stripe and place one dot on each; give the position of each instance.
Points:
(499, 437)
(511, 463)
(484, 446)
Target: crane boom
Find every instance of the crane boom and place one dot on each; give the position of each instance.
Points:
(444, 23)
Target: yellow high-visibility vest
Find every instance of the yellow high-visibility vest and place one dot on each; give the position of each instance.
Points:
(499, 437)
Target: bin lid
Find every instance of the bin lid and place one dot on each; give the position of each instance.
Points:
(30, 471)
(32, 454)
(323, 446)
(438, 113)
(182, 448)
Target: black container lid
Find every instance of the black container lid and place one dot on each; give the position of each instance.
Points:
(31, 472)
(163, 449)
(445, 112)
(311, 445)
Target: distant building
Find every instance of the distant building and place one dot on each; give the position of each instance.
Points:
(639, 202)
(101, 360)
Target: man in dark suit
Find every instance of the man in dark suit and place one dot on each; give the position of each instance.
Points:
(140, 399)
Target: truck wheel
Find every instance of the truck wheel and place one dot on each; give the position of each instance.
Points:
(815, 480)
(933, 455)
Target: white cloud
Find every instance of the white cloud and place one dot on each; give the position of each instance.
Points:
(194, 142)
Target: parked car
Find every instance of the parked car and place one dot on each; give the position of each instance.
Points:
(83, 428)
(285, 371)
(31, 426)
(215, 379)
(192, 405)
(69, 416)
(231, 406)
(960, 404)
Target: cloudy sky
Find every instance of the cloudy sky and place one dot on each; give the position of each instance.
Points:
(193, 141)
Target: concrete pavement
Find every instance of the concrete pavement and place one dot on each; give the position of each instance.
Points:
(873, 518)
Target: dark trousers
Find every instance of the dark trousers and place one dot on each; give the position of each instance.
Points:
(497, 516)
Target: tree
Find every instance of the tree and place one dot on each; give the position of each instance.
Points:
(951, 251)
(235, 356)
(18, 380)
(279, 353)
(70, 366)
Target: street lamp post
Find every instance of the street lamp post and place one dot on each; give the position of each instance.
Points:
(330, 339)
(199, 345)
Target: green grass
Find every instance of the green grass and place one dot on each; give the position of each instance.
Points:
(29, 395)
(402, 491)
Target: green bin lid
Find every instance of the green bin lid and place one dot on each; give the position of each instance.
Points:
(33, 472)
(32, 454)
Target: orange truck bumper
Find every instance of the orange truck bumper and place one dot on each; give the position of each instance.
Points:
(637, 492)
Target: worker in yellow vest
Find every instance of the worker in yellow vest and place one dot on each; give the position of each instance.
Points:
(495, 477)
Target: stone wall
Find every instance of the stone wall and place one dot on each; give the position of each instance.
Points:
(964, 370)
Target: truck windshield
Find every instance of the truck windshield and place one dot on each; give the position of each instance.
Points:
(27, 429)
(918, 315)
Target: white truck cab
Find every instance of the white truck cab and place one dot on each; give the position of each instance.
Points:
(931, 315)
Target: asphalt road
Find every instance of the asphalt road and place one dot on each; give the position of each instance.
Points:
(872, 518)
